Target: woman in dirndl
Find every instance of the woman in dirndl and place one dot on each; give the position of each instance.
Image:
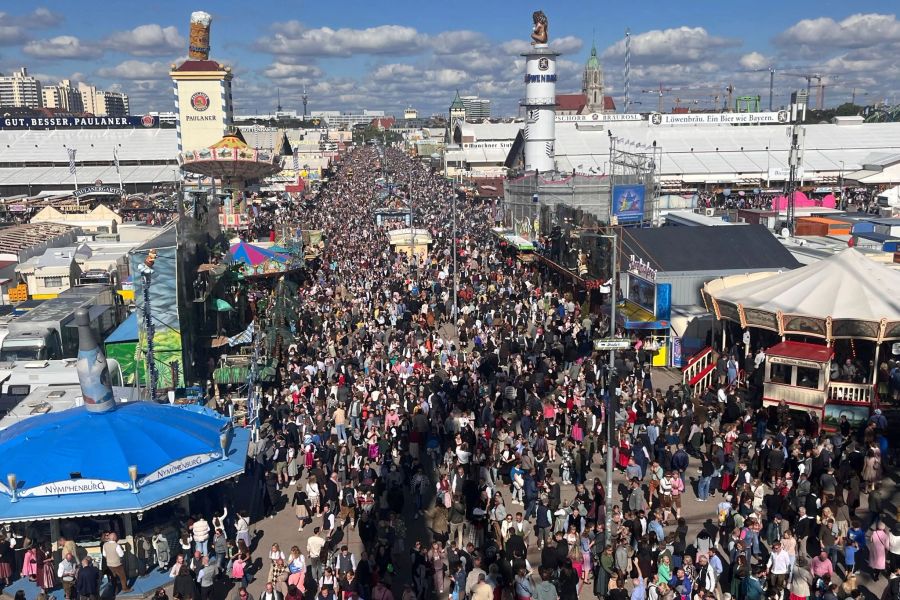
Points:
(6, 560)
(29, 564)
(624, 449)
(46, 572)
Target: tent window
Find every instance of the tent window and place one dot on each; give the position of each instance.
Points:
(808, 378)
(781, 373)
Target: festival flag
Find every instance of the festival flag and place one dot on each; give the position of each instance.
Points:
(116, 159)
(71, 160)
(245, 337)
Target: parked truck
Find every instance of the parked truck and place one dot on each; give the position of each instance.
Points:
(48, 332)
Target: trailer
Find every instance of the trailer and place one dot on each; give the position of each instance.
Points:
(48, 331)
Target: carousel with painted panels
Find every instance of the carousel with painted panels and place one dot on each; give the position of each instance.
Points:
(834, 327)
(232, 162)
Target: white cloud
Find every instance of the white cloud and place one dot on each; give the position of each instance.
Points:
(11, 35)
(754, 60)
(15, 29)
(452, 42)
(280, 70)
(856, 31)
(148, 40)
(564, 45)
(135, 70)
(41, 18)
(295, 39)
(669, 46)
(62, 47)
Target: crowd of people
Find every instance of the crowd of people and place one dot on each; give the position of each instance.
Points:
(461, 439)
(483, 419)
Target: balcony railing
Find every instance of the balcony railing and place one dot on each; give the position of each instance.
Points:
(840, 391)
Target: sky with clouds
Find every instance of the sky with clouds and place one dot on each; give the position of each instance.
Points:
(389, 54)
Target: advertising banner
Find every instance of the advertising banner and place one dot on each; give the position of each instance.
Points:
(628, 203)
(642, 293)
(167, 346)
(677, 357)
(146, 121)
(663, 310)
(600, 118)
(754, 118)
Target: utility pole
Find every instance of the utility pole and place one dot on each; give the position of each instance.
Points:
(455, 279)
(795, 156)
(611, 391)
(305, 100)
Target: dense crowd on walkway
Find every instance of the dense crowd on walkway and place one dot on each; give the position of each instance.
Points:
(487, 423)
(462, 442)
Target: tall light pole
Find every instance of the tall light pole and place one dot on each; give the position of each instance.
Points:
(455, 279)
(611, 391)
(841, 188)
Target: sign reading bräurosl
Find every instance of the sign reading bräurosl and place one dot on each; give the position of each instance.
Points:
(752, 118)
(599, 118)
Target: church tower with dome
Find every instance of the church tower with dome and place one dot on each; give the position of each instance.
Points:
(592, 83)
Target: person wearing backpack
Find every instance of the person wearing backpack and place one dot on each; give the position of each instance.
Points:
(348, 506)
(543, 522)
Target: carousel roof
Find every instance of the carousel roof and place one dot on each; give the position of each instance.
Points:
(846, 295)
(176, 450)
(230, 158)
(254, 255)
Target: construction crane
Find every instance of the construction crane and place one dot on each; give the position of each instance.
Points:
(695, 99)
(771, 71)
(660, 92)
(820, 87)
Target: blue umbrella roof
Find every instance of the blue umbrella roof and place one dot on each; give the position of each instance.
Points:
(175, 450)
(127, 331)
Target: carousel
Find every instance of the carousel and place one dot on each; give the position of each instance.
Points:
(828, 330)
(233, 162)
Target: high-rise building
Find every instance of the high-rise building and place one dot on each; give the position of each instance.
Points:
(20, 90)
(113, 104)
(592, 83)
(102, 103)
(476, 108)
(63, 97)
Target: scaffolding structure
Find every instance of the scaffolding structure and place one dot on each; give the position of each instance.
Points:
(633, 163)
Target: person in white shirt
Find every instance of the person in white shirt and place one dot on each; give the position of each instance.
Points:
(779, 566)
(67, 570)
(200, 533)
(242, 529)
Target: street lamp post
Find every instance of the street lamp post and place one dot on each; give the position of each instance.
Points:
(611, 392)
(841, 187)
(455, 279)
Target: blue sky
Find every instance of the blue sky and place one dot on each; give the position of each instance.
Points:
(387, 54)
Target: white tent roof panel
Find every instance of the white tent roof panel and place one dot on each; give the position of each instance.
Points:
(845, 286)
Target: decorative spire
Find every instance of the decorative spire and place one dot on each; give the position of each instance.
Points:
(457, 103)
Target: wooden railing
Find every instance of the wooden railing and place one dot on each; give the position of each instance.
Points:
(700, 370)
(841, 391)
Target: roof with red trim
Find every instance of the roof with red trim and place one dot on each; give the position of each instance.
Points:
(802, 351)
(200, 65)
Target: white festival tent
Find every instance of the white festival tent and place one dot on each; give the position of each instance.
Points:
(844, 296)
